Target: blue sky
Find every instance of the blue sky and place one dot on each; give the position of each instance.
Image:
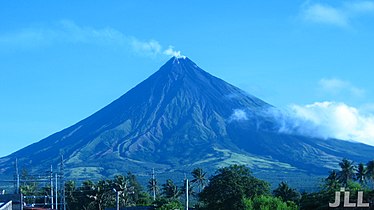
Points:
(62, 61)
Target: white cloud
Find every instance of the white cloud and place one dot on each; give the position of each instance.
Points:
(320, 120)
(238, 115)
(360, 6)
(325, 14)
(328, 120)
(69, 32)
(337, 86)
(340, 16)
(367, 108)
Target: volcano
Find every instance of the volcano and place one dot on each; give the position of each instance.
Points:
(180, 118)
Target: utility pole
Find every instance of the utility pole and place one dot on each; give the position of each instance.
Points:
(62, 182)
(17, 178)
(186, 194)
(56, 190)
(153, 184)
(51, 181)
(117, 198)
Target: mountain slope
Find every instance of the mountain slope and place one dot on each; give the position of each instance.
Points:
(179, 118)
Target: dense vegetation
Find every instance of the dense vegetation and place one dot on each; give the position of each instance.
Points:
(232, 187)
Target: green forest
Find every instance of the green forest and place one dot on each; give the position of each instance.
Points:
(232, 187)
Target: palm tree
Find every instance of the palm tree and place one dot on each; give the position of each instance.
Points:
(170, 190)
(99, 194)
(199, 178)
(28, 189)
(347, 172)
(70, 189)
(153, 187)
(191, 191)
(361, 174)
(286, 193)
(370, 171)
(85, 191)
(332, 182)
(121, 184)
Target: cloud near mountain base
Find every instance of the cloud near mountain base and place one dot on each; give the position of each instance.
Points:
(327, 120)
(319, 120)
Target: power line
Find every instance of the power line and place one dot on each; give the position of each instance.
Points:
(45, 178)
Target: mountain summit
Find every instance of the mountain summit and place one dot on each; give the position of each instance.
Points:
(179, 118)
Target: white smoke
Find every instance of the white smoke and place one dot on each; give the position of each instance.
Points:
(67, 31)
(171, 52)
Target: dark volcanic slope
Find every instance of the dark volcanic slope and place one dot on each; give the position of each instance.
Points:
(182, 117)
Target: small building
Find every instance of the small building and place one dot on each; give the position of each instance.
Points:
(15, 200)
(6, 206)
